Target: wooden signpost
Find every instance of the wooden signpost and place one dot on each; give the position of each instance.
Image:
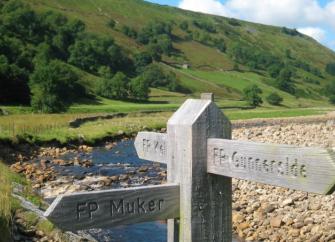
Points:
(201, 160)
(302, 168)
(103, 209)
(151, 146)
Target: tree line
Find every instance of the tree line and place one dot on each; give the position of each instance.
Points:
(41, 55)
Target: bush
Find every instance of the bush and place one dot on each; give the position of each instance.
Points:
(251, 95)
(111, 23)
(114, 88)
(274, 99)
(285, 82)
(54, 86)
(234, 22)
(332, 99)
(142, 60)
(91, 52)
(330, 68)
(139, 89)
(128, 31)
(184, 25)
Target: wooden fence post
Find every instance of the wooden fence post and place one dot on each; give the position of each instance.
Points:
(205, 200)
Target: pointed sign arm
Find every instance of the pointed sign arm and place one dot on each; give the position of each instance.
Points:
(151, 146)
(307, 169)
(101, 209)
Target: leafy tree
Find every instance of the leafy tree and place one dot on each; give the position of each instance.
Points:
(128, 31)
(142, 60)
(13, 83)
(209, 27)
(220, 44)
(54, 86)
(155, 76)
(234, 22)
(285, 82)
(330, 68)
(184, 25)
(332, 99)
(274, 70)
(152, 30)
(154, 50)
(116, 87)
(90, 52)
(111, 23)
(164, 43)
(139, 88)
(274, 99)
(292, 32)
(330, 91)
(251, 95)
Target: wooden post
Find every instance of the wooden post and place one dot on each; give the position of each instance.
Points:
(205, 200)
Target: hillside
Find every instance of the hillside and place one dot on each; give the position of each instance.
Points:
(222, 55)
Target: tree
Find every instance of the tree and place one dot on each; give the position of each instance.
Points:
(154, 75)
(13, 83)
(128, 31)
(114, 88)
(274, 99)
(330, 68)
(142, 60)
(251, 95)
(54, 87)
(220, 44)
(274, 70)
(90, 52)
(139, 88)
(285, 82)
(332, 99)
(111, 23)
(330, 92)
(184, 25)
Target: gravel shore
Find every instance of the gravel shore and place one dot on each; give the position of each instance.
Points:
(267, 213)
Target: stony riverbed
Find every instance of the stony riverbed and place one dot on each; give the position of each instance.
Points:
(260, 212)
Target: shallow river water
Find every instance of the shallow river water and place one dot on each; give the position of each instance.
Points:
(106, 164)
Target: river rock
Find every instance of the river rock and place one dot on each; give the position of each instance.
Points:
(276, 222)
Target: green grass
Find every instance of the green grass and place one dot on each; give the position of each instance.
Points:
(211, 68)
(240, 80)
(7, 203)
(41, 128)
(275, 113)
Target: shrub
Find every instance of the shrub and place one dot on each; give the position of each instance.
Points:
(184, 25)
(111, 23)
(54, 86)
(251, 95)
(274, 99)
(139, 88)
(332, 99)
(116, 87)
(330, 68)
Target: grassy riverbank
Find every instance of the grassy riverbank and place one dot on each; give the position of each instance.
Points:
(41, 128)
(10, 205)
(7, 203)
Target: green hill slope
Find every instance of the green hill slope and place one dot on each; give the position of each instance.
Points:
(251, 46)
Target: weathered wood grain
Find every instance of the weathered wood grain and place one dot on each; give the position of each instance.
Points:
(151, 146)
(101, 209)
(205, 200)
(302, 168)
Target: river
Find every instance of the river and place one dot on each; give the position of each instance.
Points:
(111, 162)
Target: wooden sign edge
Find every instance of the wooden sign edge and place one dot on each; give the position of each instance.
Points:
(58, 201)
(330, 152)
